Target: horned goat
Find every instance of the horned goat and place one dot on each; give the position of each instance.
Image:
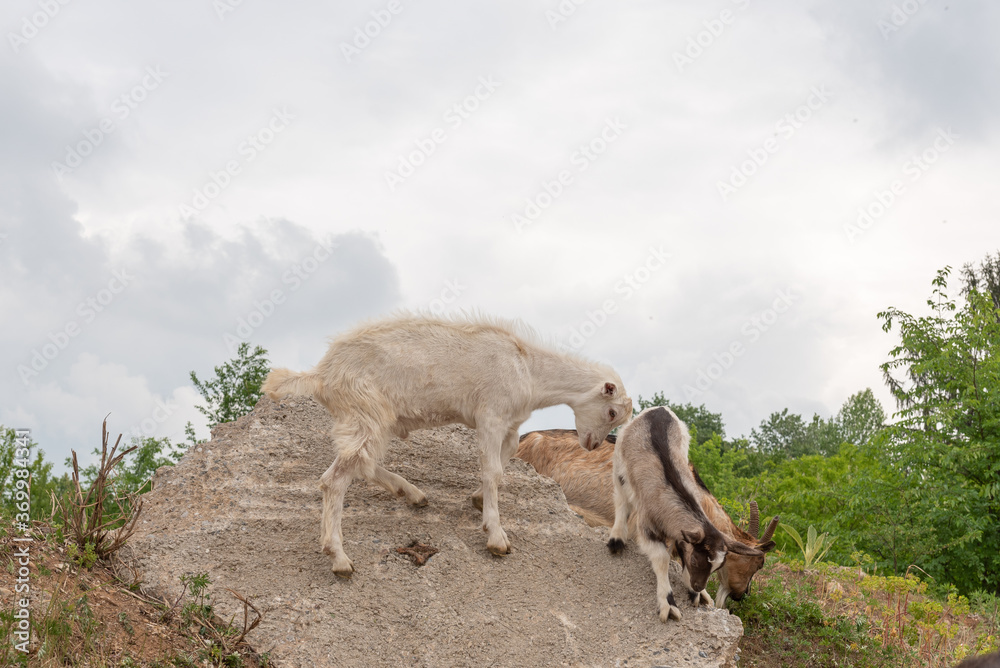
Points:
(736, 575)
(410, 372)
(586, 480)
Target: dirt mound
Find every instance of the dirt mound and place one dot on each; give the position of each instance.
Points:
(245, 508)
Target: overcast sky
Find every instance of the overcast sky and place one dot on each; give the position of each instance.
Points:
(715, 198)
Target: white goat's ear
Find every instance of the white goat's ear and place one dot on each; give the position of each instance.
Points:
(610, 389)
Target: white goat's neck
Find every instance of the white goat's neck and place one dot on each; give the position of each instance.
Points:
(558, 378)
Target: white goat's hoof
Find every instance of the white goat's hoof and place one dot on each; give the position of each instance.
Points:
(499, 546)
(419, 501)
(706, 599)
(342, 567)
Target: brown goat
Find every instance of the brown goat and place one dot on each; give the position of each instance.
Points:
(585, 478)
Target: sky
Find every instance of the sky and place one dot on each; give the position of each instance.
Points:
(715, 198)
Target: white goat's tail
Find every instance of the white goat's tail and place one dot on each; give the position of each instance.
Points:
(284, 382)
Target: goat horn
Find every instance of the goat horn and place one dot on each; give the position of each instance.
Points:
(754, 520)
(769, 531)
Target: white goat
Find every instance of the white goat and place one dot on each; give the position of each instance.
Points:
(412, 372)
(654, 486)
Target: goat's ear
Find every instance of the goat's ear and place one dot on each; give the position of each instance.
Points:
(684, 551)
(736, 547)
(693, 536)
(610, 389)
(766, 547)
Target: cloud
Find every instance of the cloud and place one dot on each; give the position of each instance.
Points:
(307, 238)
(139, 319)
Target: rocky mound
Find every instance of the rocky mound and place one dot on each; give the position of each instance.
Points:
(245, 508)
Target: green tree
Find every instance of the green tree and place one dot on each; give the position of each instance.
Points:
(787, 435)
(235, 389)
(782, 434)
(985, 279)
(860, 418)
(823, 437)
(946, 438)
(43, 483)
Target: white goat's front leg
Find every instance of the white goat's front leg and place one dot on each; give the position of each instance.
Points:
(506, 452)
(334, 483)
(619, 532)
(659, 557)
(399, 486)
(491, 437)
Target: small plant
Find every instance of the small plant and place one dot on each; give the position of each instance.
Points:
(222, 640)
(126, 624)
(86, 559)
(183, 661)
(863, 560)
(89, 517)
(199, 609)
(814, 548)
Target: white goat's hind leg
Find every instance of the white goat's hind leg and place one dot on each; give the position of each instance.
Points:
(659, 556)
(619, 532)
(399, 486)
(490, 448)
(334, 483)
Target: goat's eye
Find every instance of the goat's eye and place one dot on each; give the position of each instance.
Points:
(612, 414)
